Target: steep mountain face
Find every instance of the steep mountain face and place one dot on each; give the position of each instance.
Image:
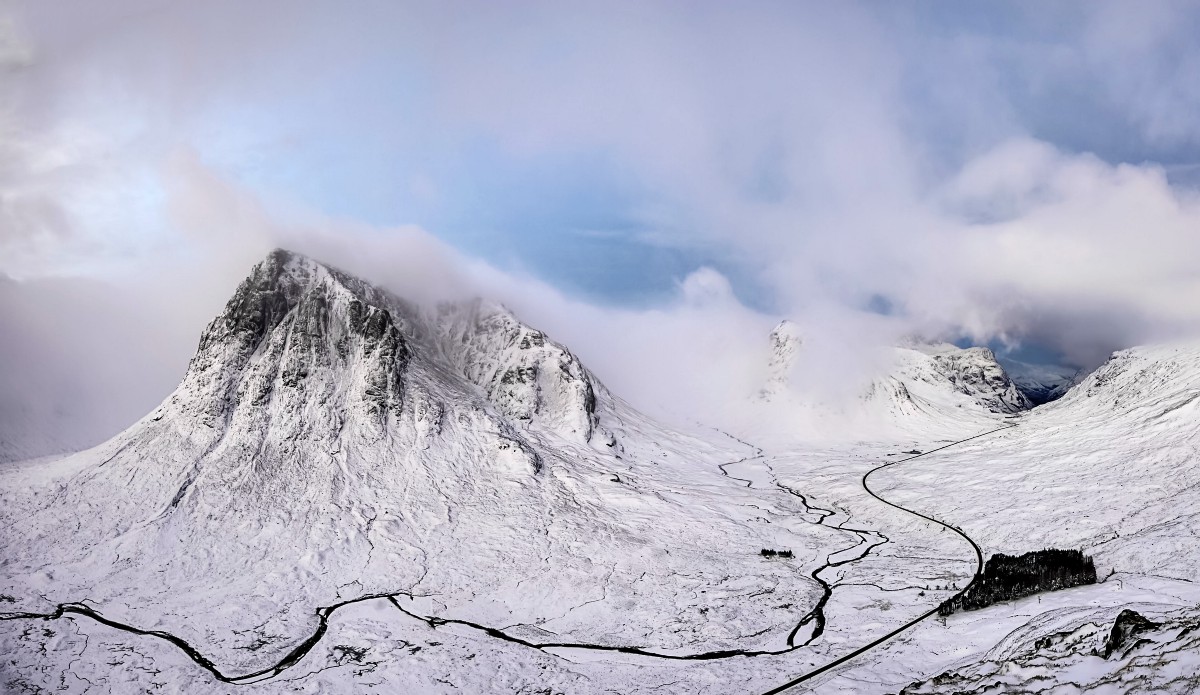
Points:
(256, 379)
(975, 372)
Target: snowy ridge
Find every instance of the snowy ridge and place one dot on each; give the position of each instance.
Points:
(975, 372)
(529, 377)
(1144, 383)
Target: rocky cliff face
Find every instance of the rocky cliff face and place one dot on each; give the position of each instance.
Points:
(530, 378)
(976, 373)
(295, 339)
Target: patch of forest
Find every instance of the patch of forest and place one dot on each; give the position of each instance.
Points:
(1009, 577)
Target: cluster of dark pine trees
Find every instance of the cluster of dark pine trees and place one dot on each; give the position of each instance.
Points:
(1008, 577)
(767, 552)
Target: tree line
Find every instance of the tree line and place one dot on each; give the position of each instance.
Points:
(1009, 577)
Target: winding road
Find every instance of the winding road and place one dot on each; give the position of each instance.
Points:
(868, 540)
(974, 546)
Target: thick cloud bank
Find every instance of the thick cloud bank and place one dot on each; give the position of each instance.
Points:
(1018, 174)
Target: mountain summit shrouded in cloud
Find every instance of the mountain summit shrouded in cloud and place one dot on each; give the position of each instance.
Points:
(1012, 176)
(664, 347)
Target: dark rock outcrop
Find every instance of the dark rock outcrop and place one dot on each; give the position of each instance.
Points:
(1128, 625)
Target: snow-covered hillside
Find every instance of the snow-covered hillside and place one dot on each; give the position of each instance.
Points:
(330, 441)
(1085, 650)
(1111, 468)
(348, 492)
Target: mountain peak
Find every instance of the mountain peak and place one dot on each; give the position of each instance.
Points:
(975, 372)
(785, 343)
(290, 319)
(299, 336)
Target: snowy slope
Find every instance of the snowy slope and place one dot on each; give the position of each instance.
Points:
(1111, 468)
(503, 522)
(1082, 650)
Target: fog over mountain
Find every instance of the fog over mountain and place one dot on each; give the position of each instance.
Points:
(585, 347)
(825, 161)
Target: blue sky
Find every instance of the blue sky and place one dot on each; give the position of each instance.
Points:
(942, 160)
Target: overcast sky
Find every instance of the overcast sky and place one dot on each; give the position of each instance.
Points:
(1020, 174)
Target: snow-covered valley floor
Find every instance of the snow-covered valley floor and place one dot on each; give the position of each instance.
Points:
(884, 568)
(889, 570)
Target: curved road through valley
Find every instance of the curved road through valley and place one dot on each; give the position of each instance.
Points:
(815, 616)
(974, 546)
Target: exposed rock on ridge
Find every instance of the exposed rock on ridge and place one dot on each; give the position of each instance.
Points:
(976, 373)
(785, 342)
(530, 378)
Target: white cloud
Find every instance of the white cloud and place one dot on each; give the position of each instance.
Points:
(838, 151)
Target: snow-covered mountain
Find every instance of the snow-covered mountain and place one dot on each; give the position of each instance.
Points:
(784, 344)
(975, 372)
(319, 426)
(918, 387)
(331, 440)
(487, 517)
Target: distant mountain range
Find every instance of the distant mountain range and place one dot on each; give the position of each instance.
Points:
(1042, 383)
